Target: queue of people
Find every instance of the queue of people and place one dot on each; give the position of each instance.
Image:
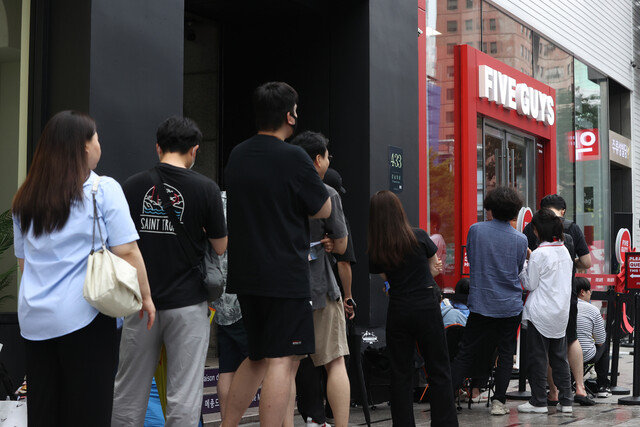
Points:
(285, 226)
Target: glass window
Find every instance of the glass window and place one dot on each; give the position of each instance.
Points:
(449, 117)
(452, 26)
(441, 118)
(451, 71)
(546, 56)
(592, 208)
(514, 48)
(452, 4)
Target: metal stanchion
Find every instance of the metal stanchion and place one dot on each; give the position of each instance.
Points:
(522, 393)
(615, 356)
(635, 399)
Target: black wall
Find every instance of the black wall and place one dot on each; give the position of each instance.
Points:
(393, 53)
(118, 60)
(136, 78)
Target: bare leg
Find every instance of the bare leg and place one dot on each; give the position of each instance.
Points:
(288, 419)
(224, 384)
(338, 391)
(243, 388)
(276, 390)
(574, 354)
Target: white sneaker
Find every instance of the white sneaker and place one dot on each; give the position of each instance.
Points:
(529, 408)
(311, 423)
(565, 409)
(499, 408)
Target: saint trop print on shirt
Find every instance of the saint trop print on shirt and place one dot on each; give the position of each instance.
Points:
(153, 218)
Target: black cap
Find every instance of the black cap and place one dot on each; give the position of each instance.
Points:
(333, 179)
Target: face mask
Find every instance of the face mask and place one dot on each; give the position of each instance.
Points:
(295, 125)
(194, 160)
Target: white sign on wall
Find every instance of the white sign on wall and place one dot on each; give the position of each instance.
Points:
(506, 91)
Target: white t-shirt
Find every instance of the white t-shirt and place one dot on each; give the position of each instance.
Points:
(548, 278)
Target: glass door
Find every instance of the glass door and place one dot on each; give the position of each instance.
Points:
(508, 160)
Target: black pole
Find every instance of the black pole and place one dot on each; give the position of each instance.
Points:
(522, 393)
(615, 356)
(635, 399)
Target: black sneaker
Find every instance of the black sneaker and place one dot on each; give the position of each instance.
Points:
(603, 391)
(583, 400)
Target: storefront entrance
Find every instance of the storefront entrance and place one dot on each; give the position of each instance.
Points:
(508, 159)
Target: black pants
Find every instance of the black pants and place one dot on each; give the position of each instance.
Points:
(481, 337)
(70, 378)
(407, 323)
(601, 360)
(310, 391)
(544, 352)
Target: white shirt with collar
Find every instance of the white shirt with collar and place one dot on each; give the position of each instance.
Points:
(548, 278)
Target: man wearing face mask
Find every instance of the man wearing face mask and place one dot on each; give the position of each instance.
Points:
(182, 323)
(272, 191)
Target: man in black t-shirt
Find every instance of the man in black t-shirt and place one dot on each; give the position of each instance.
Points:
(182, 323)
(582, 260)
(272, 190)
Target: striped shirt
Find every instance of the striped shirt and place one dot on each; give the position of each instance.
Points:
(590, 329)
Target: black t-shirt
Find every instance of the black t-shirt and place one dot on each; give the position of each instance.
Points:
(196, 200)
(272, 189)
(411, 279)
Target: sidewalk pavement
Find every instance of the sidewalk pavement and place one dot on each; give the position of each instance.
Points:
(606, 412)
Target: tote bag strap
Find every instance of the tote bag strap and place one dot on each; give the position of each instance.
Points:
(94, 191)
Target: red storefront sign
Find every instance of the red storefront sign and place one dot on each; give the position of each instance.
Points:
(485, 86)
(632, 270)
(584, 145)
(599, 282)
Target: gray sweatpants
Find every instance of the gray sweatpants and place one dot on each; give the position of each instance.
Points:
(185, 333)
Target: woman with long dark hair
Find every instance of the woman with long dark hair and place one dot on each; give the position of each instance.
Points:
(406, 258)
(71, 348)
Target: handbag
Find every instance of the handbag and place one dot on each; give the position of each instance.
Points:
(209, 266)
(111, 283)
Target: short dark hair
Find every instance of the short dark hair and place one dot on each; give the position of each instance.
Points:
(314, 143)
(548, 225)
(178, 134)
(581, 284)
(462, 287)
(553, 201)
(271, 103)
(504, 203)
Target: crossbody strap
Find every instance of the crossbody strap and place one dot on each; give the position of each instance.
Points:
(183, 238)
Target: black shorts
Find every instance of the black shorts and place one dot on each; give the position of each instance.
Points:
(572, 325)
(232, 346)
(277, 327)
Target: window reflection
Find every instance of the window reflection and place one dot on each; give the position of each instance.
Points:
(508, 40)
(547, 56)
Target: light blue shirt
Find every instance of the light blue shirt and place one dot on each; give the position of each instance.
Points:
(496, 253)
(50, 301)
